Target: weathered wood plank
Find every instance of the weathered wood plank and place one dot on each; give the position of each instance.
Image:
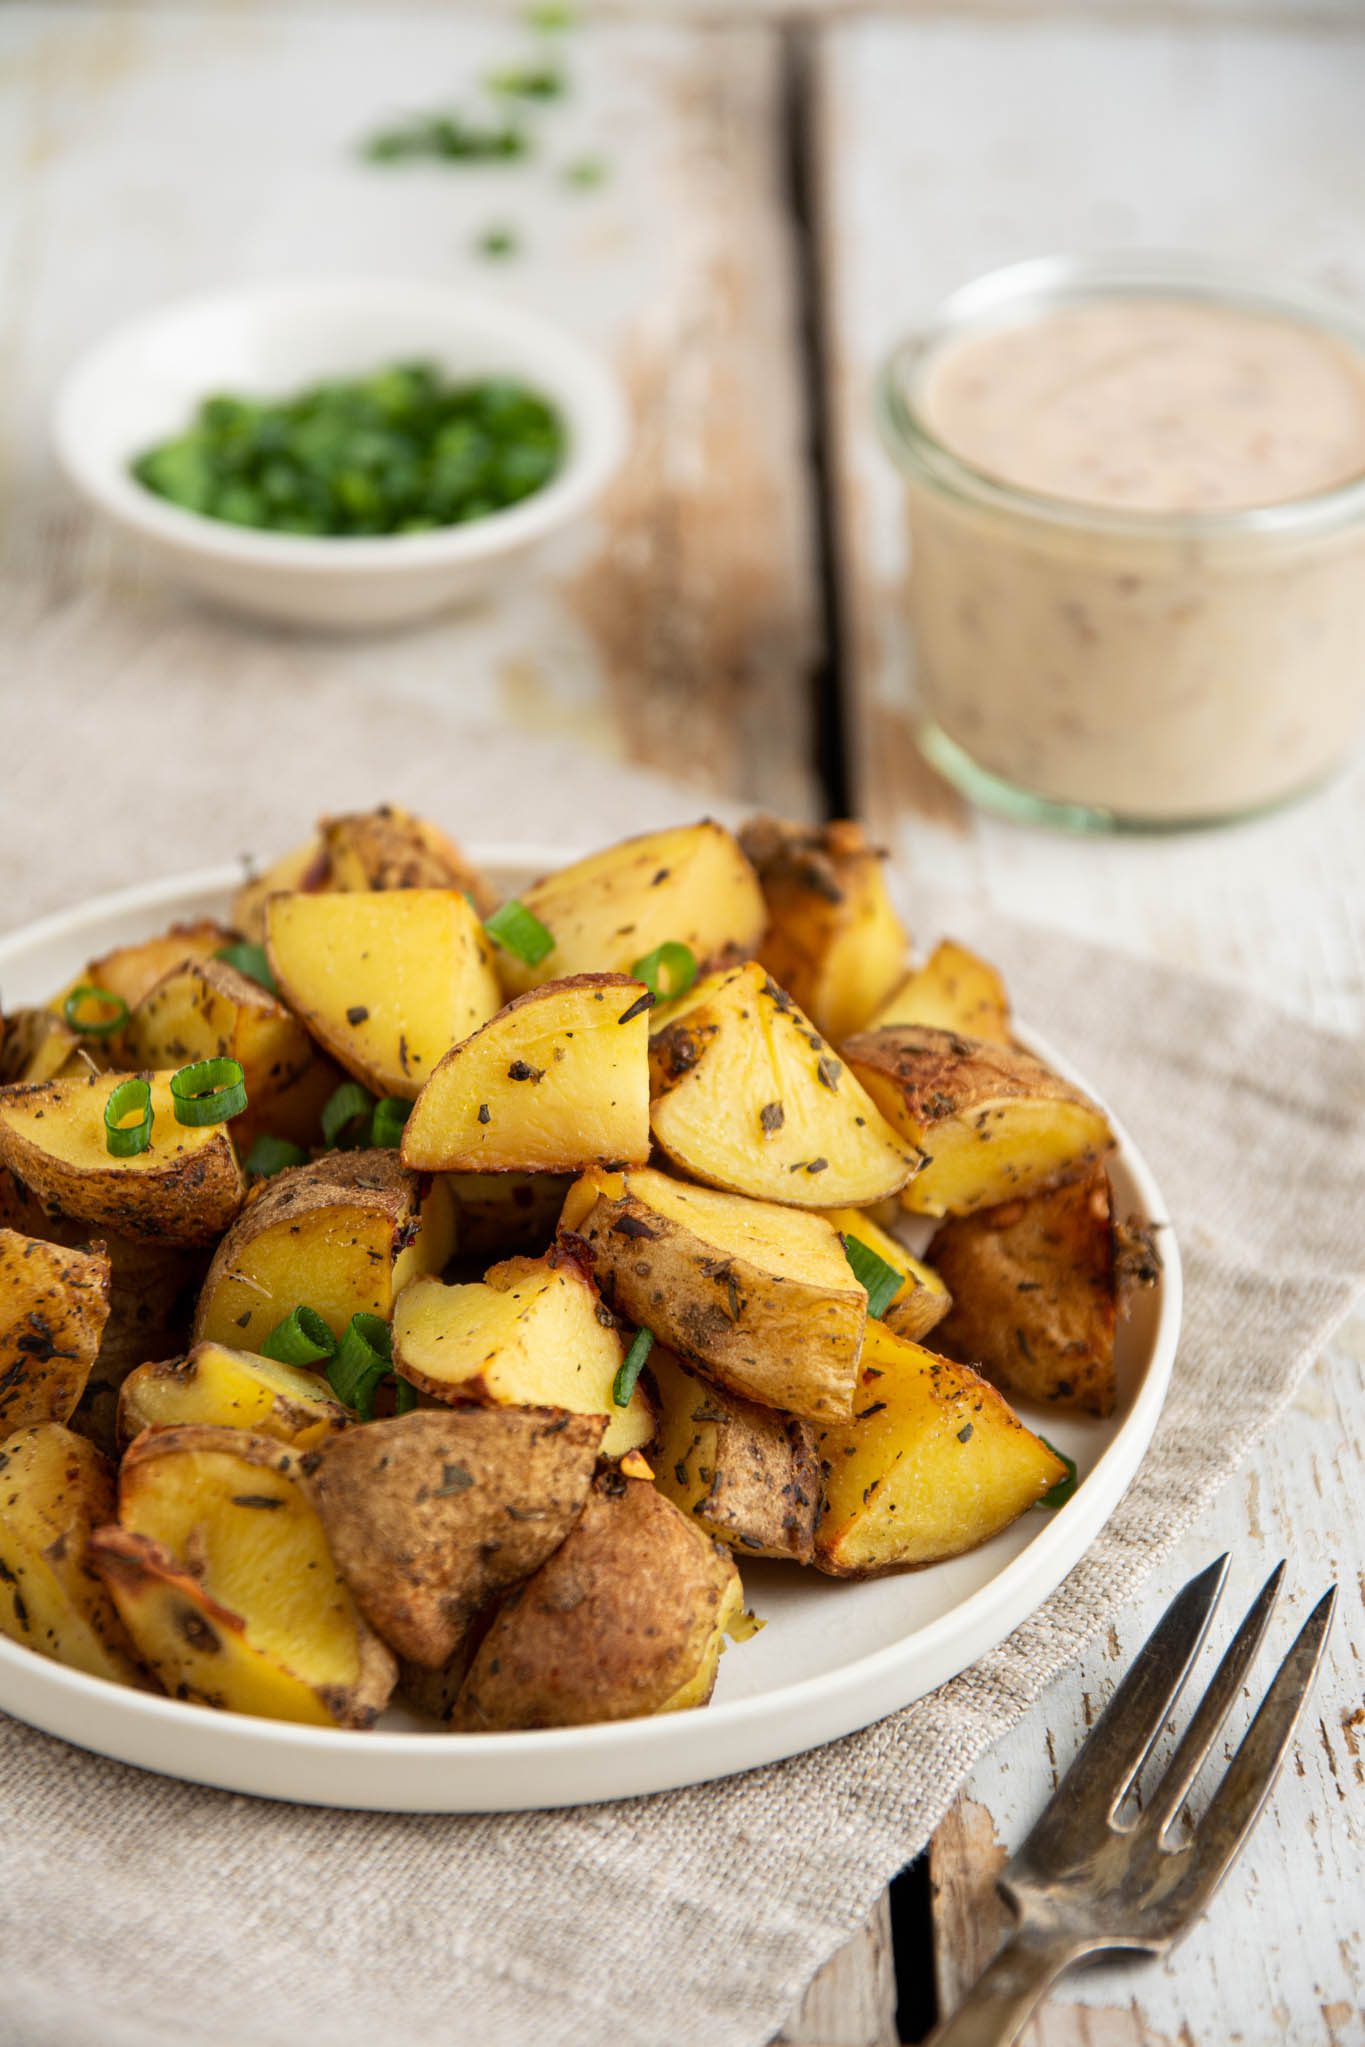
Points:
(150, 153)
(852, 2002)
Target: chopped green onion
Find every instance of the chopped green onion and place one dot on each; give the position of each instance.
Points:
(404, 1395)
(882, 1281)
(623, 1385)
(94, 1027)
(270, 1155)
(131, 1097)
(363, 1358)
(527, 82)
(515, 929)
(585, 172)
(1059, 1494)
(668, 971)
(345, 1106)
(302, 1338)
(386, 1124)
(209, 1091)
(250, 960)
(549, 16)
(499, 241)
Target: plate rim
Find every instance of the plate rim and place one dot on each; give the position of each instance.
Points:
(642, 1755)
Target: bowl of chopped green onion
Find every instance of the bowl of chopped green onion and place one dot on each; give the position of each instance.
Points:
(346, 453)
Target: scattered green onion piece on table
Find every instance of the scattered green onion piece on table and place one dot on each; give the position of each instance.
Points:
(209, 1091)
(404, 1395)
(527, 82)
(1059, 1494)
(668, 971)
(386, 1124)
(302, 1338)
(623, 1385)
(250, 960)
(363, 1358)
(344, 1107)
(96, 1026)
(131, 1097)
(881, 1280)
(517, 931)
(499, 241)
(585, 173)
(270, 1155)
(549, 16)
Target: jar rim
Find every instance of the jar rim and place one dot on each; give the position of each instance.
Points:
(1041, 285)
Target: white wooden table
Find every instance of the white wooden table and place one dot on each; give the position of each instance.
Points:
(764, 162)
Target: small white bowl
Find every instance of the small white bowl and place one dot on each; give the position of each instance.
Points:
(142, 384)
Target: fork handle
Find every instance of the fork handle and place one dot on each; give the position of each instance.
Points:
(1004, 1997)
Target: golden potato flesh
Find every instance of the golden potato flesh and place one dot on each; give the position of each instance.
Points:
(747, 1475)
(749, 1098)
(834, 940)
(302, 871)
(690, 885)
(54, 1489)
(953, 991)
(1035, 1294)
(35, 1044)
(205, 1009)
(132, 970)
(343, 1235)
(627, 1617)
(558, 1081)
(389, 848)
(922, 1300)
(184, 1189)
(991, 1120)
(386, 982)
(430, 1515)
(230, 1389)
(230, 1591)
(934, 1463)
(534, 1333)
(54, 1303)
(761, 1297)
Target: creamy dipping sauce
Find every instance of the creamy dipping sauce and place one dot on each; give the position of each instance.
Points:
(1122, 647)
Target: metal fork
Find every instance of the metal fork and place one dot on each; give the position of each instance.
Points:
(1083, 1881)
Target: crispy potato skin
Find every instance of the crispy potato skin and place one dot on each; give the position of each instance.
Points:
(389, 848)
(748, 1476)
(432, 1514)
(834, 940)
(619, 1621)
(1035, 1294)
(54, 1304)
(55, 1488)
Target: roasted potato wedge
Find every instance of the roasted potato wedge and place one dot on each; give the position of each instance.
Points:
(558, 1081)
(54, 1489)
(934, 1463)
(205, 1009)
(534, 1333)
(344, 1235)
(627, 1617)
(689, 886)
(389, 848)
(131, 970)
(761, 1297)
(834, 940)
(953, 991)
(302, 871)
(747, 1097)
(431, 1515)
(222, 1574)
(230, 1389)
(503, 1215)
(54, 1303)
(184, 1189)
(36, 1045)
(922, 1300)
(991, 1120)
(386, 982)
(747, 1475)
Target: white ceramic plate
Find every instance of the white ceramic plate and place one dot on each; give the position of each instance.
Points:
(834, 1656)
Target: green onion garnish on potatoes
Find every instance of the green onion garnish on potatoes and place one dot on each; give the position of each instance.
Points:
(132, 1097)
(208, 1091)
(882, 1281)
(77, 1002)
(668, 971)
(623, 1385)
(302, 1338)
(517, 931)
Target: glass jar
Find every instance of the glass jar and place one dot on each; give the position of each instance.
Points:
(1112, 666)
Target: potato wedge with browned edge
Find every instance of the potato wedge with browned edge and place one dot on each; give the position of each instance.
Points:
(761, 1297)
(627, 1617)
(921, 1301)
(224, 1579)
(389, 848)
(556, 1082)
(54, 1489)
(834, 940)
(934, 1463)
(991, 1120)
(747, 1475)
(54, 1303)
(343, 1235)
(953, 991)
(206, 1009)
(231, 1389)
(430, 1515)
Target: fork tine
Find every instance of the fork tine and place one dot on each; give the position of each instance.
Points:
(1114, 1750)
(1236, 1805)
(1213, 1709)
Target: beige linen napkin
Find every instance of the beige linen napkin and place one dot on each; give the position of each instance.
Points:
(138, 1912)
